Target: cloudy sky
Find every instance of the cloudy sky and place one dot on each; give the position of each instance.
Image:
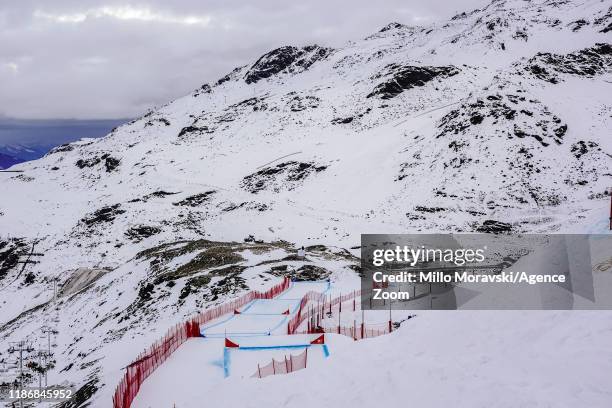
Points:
(107, 59)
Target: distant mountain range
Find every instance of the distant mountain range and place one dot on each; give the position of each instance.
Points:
(7, 161)
(23, 140)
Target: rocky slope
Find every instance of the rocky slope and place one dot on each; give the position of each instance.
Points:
(497, 119)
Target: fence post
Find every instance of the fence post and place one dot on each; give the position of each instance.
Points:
(390, 318)
(610, 209)
(362, 323)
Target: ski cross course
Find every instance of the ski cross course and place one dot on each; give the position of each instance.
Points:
(290, 326)
(237, 344)
(252, 328)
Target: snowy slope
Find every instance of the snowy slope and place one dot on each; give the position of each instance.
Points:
(477, 359)
(500, 114)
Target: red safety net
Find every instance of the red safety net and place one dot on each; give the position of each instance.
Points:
(314, 315)
(216, 312)
(309, 313)
(159, 352)
(284, 366)
(148, 361)
(358, 331)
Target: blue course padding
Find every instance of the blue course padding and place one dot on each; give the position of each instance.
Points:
(328, 286)
(295, 309)
(227, 351)
(278, 325)
(234, 334)
(287, 302)
(249, 305)
(226, 361)
(217, 324)
(290, 346)
(263, 331)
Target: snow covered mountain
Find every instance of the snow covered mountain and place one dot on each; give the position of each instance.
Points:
(7, 161)
(496, 120)
(21, 152)
(31, 139)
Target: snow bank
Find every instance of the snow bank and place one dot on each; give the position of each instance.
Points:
(442, 358)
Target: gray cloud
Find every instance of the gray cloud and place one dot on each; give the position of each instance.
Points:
(99, 59)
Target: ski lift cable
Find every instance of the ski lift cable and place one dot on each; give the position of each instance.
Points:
(278, 158)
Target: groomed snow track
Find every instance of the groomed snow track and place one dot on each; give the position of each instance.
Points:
(244, 338)
(264, 317)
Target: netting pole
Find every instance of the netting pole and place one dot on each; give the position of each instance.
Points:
(258, 370)
(362, 323)
(323, 309)
(390, 318)
(354, 305)
(311, 317)
(306, 359)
